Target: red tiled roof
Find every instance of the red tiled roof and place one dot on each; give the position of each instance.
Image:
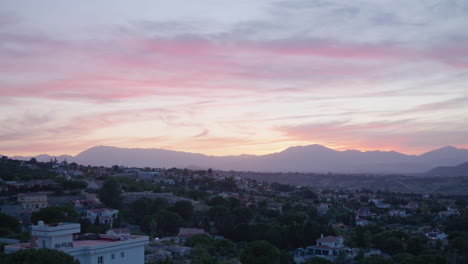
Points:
(325, 247)
(100, 210)
(187, 232)
(329, 239)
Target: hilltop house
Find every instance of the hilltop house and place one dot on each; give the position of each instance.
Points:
(400, 213)
(103, 215)
(327, 246)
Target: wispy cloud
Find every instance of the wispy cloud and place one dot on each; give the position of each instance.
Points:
(367, 75)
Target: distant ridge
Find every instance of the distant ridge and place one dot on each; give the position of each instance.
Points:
(311, 158)
(459, 170)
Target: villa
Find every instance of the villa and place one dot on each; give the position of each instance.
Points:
(87, 248)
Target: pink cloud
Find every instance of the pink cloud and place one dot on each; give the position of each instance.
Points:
(137, 66)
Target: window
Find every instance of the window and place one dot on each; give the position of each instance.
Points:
(113, 256)
(122, 254)
(100, 260)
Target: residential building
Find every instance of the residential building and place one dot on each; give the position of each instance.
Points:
(32, 201)
(412, 205)
(327, 246)
(383, 205)
(364, 212)
(400, 213)
(185, 233)
(361, 221)
(89, 248)
(323, 209)
(103, 215)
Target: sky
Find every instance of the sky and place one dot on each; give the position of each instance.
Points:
(233, 77)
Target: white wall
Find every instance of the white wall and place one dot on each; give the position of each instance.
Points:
(134, 255)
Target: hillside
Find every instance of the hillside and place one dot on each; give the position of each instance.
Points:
(459, 170)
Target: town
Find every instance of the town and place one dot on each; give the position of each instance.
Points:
(149, 215)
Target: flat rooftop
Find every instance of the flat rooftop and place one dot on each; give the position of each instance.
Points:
(102, 240)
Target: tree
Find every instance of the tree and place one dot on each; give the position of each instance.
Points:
(416, 245)
(286, 257)
(110, 193)
(223, 219)
(139, 209)
(38, 256)
(165, 223)
(9, 222)
(204, 241)
(55, 214)
(242, 215)
(318, 260)
(184, 209)
(260, 252)
(460, 243)
(424, 259)
(225, 248)
(201, 256)
(375, 259)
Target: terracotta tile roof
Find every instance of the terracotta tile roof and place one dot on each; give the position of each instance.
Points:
(329, 239)
(188, 232)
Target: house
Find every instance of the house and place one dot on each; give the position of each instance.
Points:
(104, 215)
(40, 183)
(364, 212)
(94, 185)
(32, 201)
(185, 233)
(435, 235)
(84, 203)
(327, 246)
(323, 209)
(87, 249)
(412, 205)
(361, 221)
(383, 205)
(400, 213)
(449, 212)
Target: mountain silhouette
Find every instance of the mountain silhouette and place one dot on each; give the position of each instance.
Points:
(459, 170)
(311, 158)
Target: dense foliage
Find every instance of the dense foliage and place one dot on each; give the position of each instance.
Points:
(38, 256)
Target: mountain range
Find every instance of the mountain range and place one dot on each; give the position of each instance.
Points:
(459, 170)
(311, 158)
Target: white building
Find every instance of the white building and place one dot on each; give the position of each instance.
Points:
(400, 213)
(104, 215)
(323, 209)
(383, 205)
(327, 246)
(91, 249)
(361, 221)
